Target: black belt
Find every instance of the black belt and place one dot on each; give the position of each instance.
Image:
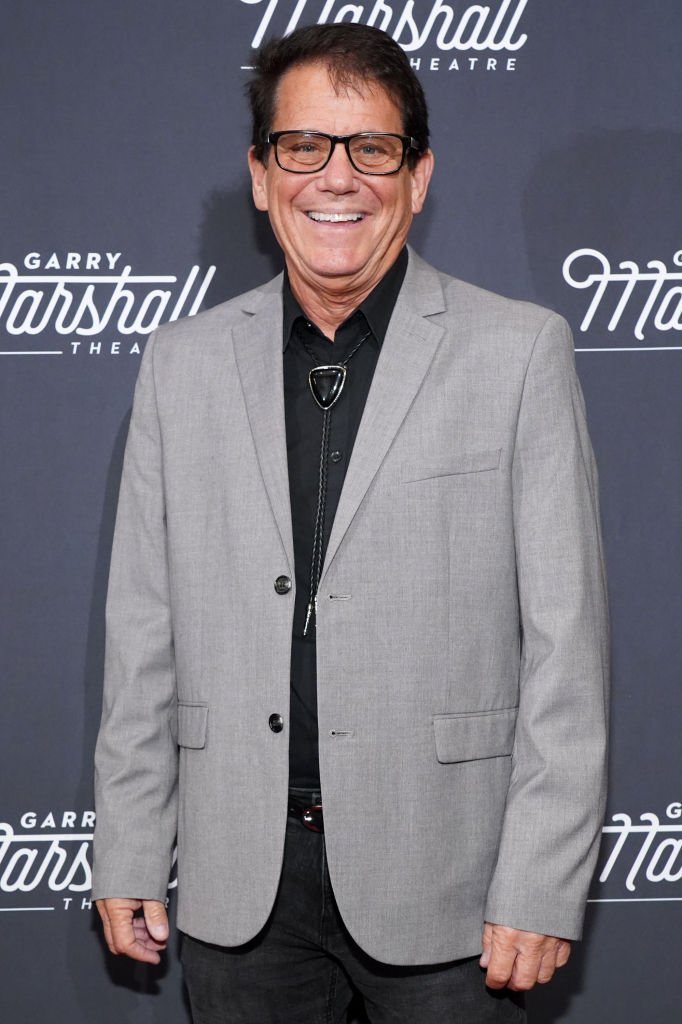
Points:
(308, 813)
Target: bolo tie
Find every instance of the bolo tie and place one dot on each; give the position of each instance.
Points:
(326, 384)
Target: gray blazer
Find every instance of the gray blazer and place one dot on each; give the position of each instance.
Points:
(461, 631)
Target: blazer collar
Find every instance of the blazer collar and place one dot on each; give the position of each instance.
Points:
(258, 354)
(406, 354)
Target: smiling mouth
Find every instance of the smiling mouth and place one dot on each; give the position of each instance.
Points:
(334, 218)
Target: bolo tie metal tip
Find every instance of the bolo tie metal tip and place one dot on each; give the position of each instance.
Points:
(310, 614)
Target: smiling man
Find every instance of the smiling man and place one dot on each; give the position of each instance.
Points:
(357, 651)
(341, 210)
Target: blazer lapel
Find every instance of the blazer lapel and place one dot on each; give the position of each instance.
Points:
(258, 353)
(406, 354)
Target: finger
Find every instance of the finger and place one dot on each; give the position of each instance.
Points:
(552, 960)
(122, 933)
(142, 935)
(115, 914)
(487, 941)
(536, 962)
(101, 907)
(525, 972)
(139, 946)
(102, 910)
(127, 940)
(156, 919)
(548, 966)
(500, 965)
(121, 928)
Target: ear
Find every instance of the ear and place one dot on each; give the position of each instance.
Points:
(258, 172)
(421, 176)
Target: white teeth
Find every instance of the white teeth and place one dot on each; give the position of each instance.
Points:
(334, 218)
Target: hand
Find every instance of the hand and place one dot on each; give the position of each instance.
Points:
(139, 937)
(518, 959)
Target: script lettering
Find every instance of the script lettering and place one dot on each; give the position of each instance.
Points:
(470, 27)
(86, 304)
(29, 858)
(646, 847)
(595, 272)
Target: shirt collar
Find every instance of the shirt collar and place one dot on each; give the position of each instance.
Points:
(377, 308)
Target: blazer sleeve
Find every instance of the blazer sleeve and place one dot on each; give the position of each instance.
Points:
(136, 754)
(556, 797)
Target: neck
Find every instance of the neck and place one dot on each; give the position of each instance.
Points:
(328, 307)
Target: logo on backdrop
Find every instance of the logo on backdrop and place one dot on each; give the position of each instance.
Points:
(45, 860)
(636, 301)
(641, 860)
(54, 304)
(439, 37)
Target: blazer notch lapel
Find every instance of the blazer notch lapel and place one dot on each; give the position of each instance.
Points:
(406, 355)
(258, 354)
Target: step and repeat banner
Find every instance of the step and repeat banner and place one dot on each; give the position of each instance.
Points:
(125, 203)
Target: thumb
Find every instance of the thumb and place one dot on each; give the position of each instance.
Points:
(487, 944)
(156, 919)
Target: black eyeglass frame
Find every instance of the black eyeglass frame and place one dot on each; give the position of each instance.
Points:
(407, 141)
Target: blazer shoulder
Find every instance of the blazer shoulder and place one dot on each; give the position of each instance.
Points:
(478, 306)
(517, 315)
(501, 335)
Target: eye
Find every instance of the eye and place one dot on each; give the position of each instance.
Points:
(376, 151)
(372, 149)
(298, 144)
(305, 147)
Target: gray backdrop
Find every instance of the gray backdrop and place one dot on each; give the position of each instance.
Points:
(556, 126)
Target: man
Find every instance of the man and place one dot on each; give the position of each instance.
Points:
(366, 691)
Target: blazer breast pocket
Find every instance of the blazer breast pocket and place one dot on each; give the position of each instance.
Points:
(474, 735)
(452, 464)
(192, 725)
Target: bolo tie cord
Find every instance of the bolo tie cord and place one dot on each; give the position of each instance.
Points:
(326, 384)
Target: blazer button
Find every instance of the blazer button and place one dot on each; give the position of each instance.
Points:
(276, 723)
(282, 585)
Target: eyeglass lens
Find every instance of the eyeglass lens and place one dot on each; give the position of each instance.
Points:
(304, 151)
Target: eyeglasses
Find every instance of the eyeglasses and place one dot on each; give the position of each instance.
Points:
(368, 152)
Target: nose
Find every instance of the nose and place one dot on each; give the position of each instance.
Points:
(339, 175)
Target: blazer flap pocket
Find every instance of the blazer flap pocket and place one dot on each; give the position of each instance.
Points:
(449, 465)
(192, 722)
(469, 737)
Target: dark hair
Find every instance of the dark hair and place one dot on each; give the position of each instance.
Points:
(353, 55)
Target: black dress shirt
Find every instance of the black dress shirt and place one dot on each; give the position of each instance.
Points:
(305, 346)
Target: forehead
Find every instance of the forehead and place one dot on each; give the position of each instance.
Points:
(308, 98)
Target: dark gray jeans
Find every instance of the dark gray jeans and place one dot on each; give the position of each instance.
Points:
(304, 968)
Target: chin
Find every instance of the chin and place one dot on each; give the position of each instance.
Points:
(339, 266)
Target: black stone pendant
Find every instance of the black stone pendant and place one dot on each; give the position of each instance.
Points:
(326, 384)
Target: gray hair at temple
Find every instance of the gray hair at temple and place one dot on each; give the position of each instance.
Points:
(355, 56)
